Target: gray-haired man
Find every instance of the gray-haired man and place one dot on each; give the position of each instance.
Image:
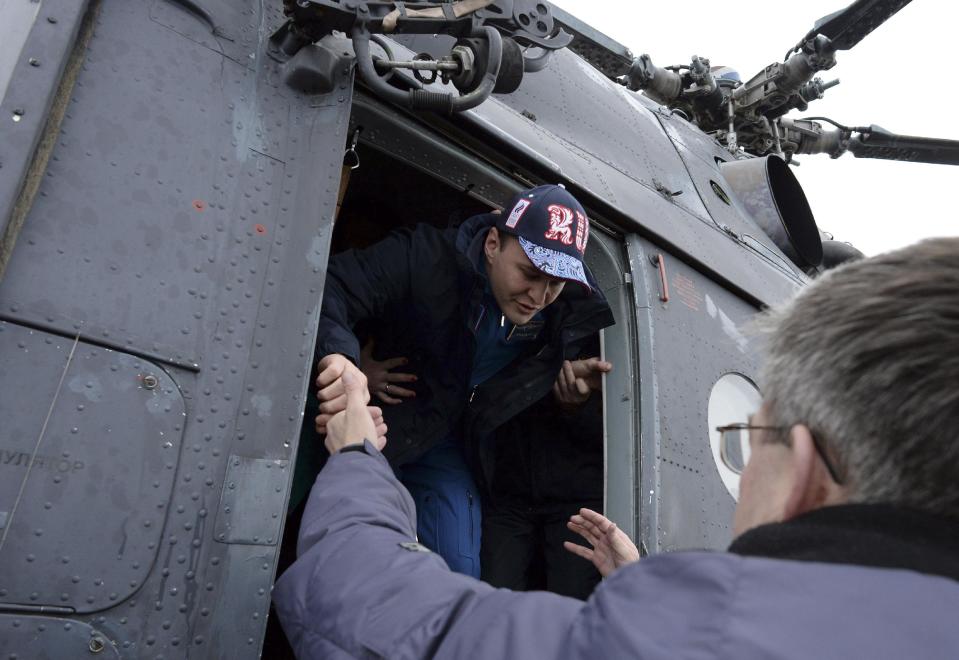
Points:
(847, 524)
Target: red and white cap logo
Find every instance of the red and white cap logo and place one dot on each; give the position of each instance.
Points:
(560, 224)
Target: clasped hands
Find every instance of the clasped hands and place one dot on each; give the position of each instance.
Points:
(345, 418)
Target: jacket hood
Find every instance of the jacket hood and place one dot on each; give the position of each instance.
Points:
(470, 237)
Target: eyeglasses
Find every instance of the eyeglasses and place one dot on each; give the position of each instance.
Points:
(734, 447)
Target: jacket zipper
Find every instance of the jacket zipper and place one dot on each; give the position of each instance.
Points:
(469, 499)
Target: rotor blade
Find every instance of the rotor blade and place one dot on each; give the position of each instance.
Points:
(877, 142)
(847, 27)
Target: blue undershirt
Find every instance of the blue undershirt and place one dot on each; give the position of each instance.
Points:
(494, 351)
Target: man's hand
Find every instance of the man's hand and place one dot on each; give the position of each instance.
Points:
(612, 549)
(381, 381)
(330, 390)
(578, 379)
(357, 422)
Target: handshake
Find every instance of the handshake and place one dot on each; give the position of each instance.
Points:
(344, 415)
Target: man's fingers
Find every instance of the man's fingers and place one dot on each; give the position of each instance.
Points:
(382, 396)
(590, 366)
(561, 388)
(329, 374)
(582, 387)
(356, 393)
(598, 520)
(377, 414)
(579, 550)
(585, 532)
(331, 391)
(395, 390)
(568, 373)
(320, 423)
(601, 366)
(334, 406)
(612, 534)
(399, 377)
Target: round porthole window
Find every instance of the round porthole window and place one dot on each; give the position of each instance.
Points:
(733, 399)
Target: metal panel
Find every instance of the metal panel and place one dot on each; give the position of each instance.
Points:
(249, 486)
(186, 214)
(688, 341)
(38, 637)
(89, 453)
(223, 26)
(702, 155)
(25, 108)
(131, 193)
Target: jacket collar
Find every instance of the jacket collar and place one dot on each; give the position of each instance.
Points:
(874, 535)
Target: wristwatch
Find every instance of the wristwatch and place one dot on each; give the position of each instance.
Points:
(361, 447)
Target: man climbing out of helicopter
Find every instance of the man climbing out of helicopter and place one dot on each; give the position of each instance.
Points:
(487, 315)
(548, 464)
(847, 523)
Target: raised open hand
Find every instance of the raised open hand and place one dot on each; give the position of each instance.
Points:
(612, 549)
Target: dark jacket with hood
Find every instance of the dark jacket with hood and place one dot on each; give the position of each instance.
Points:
(421, 289)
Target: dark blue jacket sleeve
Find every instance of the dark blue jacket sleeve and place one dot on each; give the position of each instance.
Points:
(360, 589)
(359, 285)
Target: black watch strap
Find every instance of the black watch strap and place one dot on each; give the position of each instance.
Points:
(360, 448)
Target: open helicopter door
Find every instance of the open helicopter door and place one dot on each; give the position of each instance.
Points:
(697, 370)
(167, 203)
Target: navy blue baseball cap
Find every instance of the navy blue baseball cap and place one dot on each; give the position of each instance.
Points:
(552, 228)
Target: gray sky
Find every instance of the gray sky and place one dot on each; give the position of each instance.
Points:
(899, 77)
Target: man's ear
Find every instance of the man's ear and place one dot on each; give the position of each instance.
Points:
(809, 484)
(491, 244)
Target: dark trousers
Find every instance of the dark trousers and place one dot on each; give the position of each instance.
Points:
(523, 548)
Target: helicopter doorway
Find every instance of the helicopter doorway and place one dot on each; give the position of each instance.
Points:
(402, 184)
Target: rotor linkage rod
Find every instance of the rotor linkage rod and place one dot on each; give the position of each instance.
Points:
(418, 65)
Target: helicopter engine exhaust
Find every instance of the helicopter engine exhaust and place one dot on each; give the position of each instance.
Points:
(776, 201)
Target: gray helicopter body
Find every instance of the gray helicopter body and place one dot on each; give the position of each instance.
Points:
(167, 201)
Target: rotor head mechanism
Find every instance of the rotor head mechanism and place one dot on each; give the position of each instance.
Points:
(472, 55)
(775, 200)
(488, 56)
